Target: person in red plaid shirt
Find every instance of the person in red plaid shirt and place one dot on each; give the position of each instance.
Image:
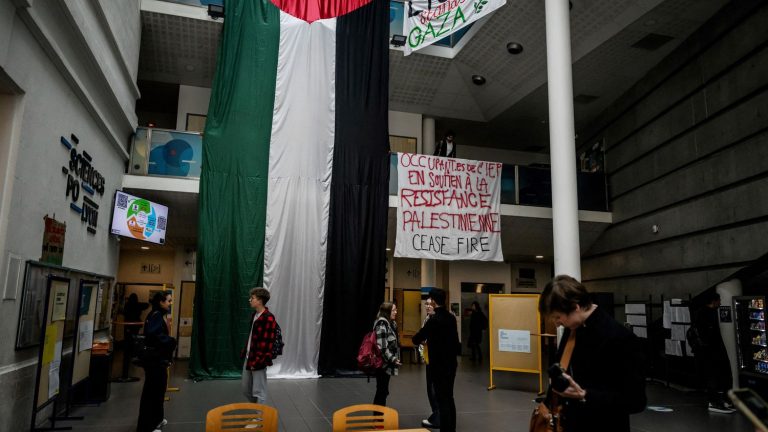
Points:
(258, 349)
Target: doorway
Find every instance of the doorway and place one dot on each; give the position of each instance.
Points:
(476, 292)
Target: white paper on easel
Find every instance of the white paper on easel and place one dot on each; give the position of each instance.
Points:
(640, 332)
(515, 340)
(636, 320)
(53, 379)
(635, 308)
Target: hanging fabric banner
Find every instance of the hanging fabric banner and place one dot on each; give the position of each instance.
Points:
(428, 21)
(293, 185)
(448, 209)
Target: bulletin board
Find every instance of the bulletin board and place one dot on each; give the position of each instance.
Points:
(515, 334)
(86, 322)
(31, 315)
(51, 341)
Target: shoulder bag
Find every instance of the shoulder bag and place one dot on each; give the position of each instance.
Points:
(547, 418)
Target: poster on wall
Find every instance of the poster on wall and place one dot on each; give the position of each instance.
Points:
(53, 241)
(60, 290)
(139, 218)
(448, 209)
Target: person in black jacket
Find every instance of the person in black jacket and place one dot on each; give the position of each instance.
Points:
(711, 358)
(605, 380)
(440, 330)
(477, 324)
(131, 314)
(156, 338)
(446, 146)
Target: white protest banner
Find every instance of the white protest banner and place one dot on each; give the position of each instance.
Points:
(428, 21)
(448, 208)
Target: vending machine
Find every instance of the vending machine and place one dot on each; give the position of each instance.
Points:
(751, 346)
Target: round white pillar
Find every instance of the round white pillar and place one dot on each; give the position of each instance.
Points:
(565, 213)
(728, 290)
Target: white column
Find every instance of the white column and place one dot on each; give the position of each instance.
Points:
(427, 136)
(428, 266)
(728, 290)
(565, 214)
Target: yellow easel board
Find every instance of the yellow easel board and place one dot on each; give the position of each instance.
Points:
(514, 330)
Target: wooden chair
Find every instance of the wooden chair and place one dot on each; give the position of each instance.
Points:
(237, 416)
(360, 418)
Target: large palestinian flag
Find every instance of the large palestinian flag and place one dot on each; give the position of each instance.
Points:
(293, 190)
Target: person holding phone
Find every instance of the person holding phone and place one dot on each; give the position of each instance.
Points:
(603, 383)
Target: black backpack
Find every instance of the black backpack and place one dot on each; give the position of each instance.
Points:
(693, 336)
(277, 347)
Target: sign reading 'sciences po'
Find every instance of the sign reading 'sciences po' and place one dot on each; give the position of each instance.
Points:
(448, 209)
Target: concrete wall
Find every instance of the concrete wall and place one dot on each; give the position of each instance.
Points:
(57, 82)
(192, 100)
(687, 153)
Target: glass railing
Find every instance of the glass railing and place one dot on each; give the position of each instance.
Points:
(532, 186)
(170, 153)
(166, 153)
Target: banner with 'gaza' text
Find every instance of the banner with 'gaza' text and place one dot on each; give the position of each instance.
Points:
(448, 209)
(428, 21)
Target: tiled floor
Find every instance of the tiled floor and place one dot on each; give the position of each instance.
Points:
(308, 405)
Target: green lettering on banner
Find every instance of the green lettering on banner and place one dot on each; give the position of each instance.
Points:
(418, 34)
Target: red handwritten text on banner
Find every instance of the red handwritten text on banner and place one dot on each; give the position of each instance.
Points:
(448, 208)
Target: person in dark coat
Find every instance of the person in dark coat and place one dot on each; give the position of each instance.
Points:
(131, 314)
(157, 338)
(477, 324)
(711, 358)
(446, 146)
(444, 346)
(605, 374)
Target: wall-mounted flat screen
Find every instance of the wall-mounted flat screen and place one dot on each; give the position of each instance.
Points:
(139, 218)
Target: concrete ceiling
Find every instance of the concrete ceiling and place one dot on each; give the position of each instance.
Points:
(510, 110)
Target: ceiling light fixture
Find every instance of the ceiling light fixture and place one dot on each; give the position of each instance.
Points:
(478, 80)
(539, 256)
(389, 249)
(514, 48)
(145, 247)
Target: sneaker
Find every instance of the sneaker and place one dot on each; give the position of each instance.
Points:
(720, 408)
(161, 424)
(427, 424)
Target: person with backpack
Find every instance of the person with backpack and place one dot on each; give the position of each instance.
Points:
(388, 343)
(710, 355)
(161, 345)
(259, 350)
